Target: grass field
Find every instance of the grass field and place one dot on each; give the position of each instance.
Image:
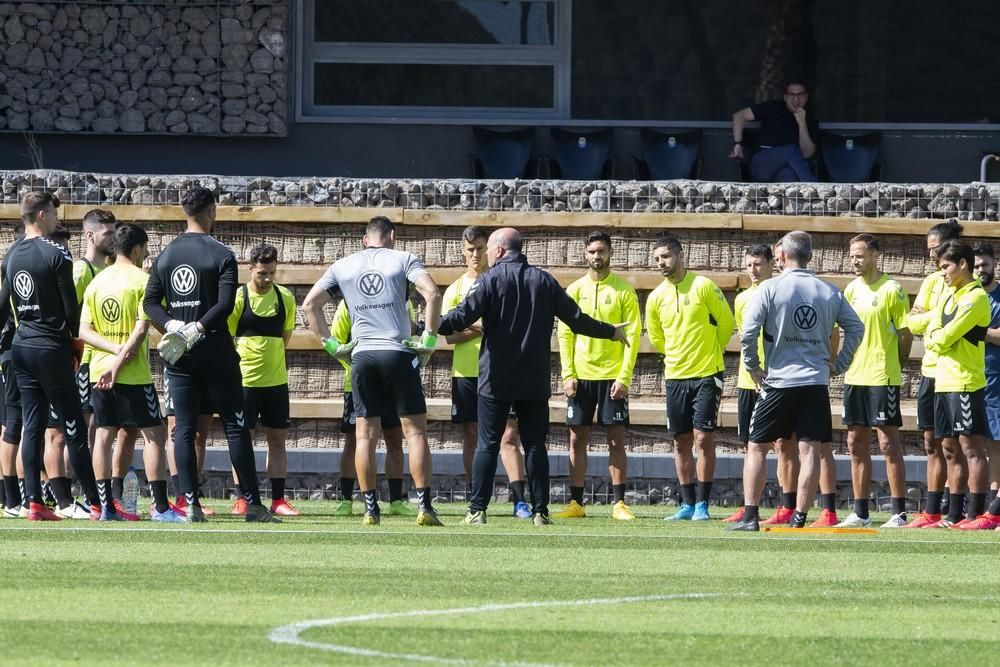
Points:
(586, 592)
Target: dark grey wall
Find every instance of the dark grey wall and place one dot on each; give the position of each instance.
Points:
(428, 151)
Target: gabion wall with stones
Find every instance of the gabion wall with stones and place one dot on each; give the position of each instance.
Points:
(965, 201)
(182, 67)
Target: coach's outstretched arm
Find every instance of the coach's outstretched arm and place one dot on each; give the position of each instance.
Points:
(853, 330)
(432, 297)
(569, 313)
(471, 309)
(318, 297)
(215, 318)
(152, 301)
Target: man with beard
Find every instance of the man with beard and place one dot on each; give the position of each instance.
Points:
(597, 372)
(986, 272)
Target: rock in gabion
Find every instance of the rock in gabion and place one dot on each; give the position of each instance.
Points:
(145, 66)
(975, 201)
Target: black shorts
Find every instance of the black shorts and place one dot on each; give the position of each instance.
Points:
(270, 404)
(349, 422)
(168, 401)
(960, 413)
(804, 411)
(595, 396)
(871, 406)
(84, 387)
(464, 400)
(693, 404)
(745, 400)
(925, 404)
(127, 406)
(387, 382)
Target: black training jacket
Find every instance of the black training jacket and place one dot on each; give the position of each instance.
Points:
(518, 304)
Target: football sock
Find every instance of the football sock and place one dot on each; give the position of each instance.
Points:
(277, 488)
(347, 488)
(159, 492)
(861, 507)
(704, 491)
(395, 489)
(517, 491)
(829, 501)
(687, 494)
(619, 491)
(934, 502)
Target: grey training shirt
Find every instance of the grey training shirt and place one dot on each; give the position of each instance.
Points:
(374, 284)
(797, 311)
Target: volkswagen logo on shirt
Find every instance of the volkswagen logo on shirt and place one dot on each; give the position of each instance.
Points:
(371, 284)
(111, 310)
(24, 285)
(804, 316)
(183, 279)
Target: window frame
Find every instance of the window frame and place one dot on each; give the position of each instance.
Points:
(309, 53)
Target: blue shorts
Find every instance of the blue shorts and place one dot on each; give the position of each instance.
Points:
(993, 407)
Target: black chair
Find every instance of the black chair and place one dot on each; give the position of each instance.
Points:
(851, 158)
(668, 155)
(503, 153)
(581, 155)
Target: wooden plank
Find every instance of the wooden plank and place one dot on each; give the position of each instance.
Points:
(226, 214)
(584, 219)
(836, 225)
(910, 284)
(640, 414)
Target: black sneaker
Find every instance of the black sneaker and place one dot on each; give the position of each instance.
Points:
(750, 526)
(798, 520)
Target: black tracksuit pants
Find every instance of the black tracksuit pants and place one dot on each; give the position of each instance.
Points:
(533, 424)
(211, 369)
(45, 378)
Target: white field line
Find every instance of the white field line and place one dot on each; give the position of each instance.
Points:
(289, 634)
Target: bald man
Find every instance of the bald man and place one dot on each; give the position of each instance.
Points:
(518, 304)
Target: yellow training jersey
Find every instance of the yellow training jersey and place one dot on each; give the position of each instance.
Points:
(610, 300)
(262, 358)
(689, 323)
(340, 329)
(112, 304)
(465, 358)
(743, 379)
(956, 332)
(84, 271)
(882, 307)
(933, 291)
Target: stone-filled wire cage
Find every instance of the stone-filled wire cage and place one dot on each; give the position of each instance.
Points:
(941, 201)
(129, 67)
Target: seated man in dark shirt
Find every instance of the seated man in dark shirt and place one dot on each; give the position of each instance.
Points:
(787, 137)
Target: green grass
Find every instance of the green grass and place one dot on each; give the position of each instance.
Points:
(96, 594)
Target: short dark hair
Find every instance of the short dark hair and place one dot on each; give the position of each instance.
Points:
(955, 251)
(380, 226)
(761, 250)
(983, 249)
(946, 231)
(98, 216)
(60, 233)
(18, 230)
(669, 241)
(128, 236)
(870, 241)
(473, 232)
(263, 253)
(196, 201)
(796, 82)
(603, 237)
(33, 202)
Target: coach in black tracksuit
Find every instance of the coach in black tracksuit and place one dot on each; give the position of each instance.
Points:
(518, 304)
(40, 277)
(193, 283)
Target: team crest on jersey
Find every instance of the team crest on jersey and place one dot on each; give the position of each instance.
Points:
(183, 279)
(372, 283)
(24, 285)
(687, 300)
(607, 299)
(874, 302)
(111, 310)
